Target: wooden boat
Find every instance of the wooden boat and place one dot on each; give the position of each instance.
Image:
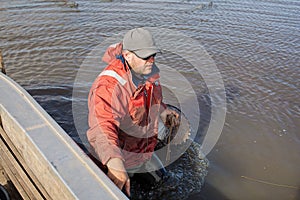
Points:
(40, 158)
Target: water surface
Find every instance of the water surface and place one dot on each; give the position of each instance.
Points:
(255, 45)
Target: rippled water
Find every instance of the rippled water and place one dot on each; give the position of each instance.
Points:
(255, 45)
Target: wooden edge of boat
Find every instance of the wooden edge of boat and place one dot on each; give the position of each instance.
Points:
(40, 158)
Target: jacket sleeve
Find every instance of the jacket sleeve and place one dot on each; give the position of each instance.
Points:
(105, 112)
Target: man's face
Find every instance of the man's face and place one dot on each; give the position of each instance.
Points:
(142, 66)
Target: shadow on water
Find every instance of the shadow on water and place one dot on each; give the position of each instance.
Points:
(57, 101)
(232, 93)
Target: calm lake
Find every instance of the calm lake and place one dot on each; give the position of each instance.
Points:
(254, 44)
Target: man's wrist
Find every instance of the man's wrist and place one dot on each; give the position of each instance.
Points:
(116, 164)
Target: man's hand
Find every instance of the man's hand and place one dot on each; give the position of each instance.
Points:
(118, 174)
(170, 118)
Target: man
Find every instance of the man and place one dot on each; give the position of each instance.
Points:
(125, 104)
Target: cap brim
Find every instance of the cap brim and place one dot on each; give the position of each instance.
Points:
(144, 53)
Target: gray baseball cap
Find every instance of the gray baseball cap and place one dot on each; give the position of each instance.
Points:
(141, 42)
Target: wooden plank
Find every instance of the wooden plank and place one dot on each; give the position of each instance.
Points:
(16, 174)
(39, 187)
(35, 160)
(3, 176)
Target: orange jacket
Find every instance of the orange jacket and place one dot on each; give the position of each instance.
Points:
(123, 118)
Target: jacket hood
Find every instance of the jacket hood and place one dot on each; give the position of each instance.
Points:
(112, 52)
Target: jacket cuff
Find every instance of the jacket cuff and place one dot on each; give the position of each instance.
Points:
(114, 153)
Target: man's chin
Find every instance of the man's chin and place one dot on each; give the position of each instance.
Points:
(148, 70)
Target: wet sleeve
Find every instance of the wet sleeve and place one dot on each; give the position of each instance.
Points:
(106, 110)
